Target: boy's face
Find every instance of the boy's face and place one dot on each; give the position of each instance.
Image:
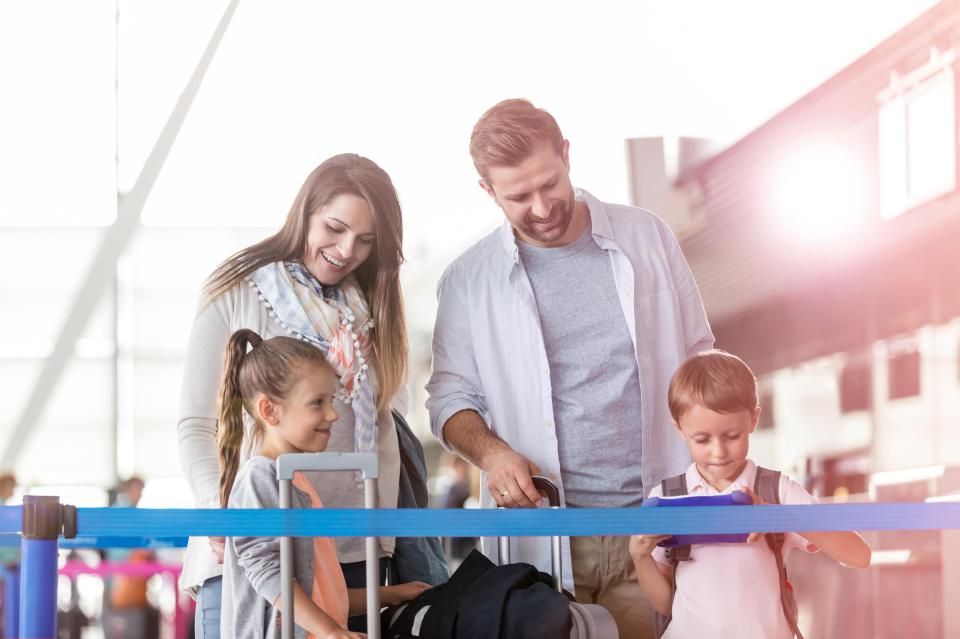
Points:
(718, 442)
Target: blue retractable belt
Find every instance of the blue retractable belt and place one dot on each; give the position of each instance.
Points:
(410, 522)
(42, 520)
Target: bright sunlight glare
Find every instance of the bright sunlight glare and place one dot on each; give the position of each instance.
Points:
(820, 193)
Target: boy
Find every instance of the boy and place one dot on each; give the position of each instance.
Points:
(729, 590)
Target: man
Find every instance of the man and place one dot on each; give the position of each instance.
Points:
(555, 340)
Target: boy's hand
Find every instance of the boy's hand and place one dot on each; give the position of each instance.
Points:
(752, 537)
(393, 595)
(642, 546)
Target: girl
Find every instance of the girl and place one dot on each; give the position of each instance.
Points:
(287, 387)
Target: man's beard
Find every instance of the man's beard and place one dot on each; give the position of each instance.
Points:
(554, 227)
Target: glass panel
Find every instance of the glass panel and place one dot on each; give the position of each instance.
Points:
(58, 127)
(931, 139)
(893, 158)
(72, 442)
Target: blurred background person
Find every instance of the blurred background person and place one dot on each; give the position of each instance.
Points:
(127, 610)
(457, 485)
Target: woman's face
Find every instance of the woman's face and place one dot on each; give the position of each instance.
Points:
(340, 237)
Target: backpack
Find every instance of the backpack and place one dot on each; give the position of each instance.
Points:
(482, 600)
(767, 487)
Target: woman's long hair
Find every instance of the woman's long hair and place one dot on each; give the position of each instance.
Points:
(271, 368)
(378, 276)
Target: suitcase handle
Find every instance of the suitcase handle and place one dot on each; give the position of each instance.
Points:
(548, 488)
(552, 494)
(369, 467)
(366, 463)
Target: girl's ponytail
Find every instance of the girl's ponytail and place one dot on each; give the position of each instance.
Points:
(230, 422)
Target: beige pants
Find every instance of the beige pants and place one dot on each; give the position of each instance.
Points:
(603, 574)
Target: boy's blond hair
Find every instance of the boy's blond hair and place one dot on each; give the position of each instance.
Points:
(714, 379)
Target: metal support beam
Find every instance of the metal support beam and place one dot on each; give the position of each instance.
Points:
(115, 240)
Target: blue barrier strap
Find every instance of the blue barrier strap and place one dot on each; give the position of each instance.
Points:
(143, 522)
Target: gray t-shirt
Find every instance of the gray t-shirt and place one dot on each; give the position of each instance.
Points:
(593, 372)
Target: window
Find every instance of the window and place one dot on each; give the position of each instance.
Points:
(766, 411)
(917, 138)
(856, 381)
(904, 374)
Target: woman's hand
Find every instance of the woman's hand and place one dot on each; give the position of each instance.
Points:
(217, 546)
(393, 595)
(642, 545)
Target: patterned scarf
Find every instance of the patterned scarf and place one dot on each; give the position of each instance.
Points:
(335, 319)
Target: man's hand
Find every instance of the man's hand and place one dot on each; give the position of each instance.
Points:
(509, 479)
(217, 546)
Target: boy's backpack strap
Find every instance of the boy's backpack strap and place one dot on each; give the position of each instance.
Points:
(676, 486)
(767, 487)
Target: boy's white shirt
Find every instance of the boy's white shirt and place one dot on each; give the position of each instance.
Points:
(732, 590)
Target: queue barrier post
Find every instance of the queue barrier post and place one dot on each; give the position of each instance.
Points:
(11, 601)
(44, 520)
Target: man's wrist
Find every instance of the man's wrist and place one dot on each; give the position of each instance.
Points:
(495, 448)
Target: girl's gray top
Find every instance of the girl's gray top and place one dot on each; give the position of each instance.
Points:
(251, 565)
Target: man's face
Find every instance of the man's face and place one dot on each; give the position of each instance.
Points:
(536, 196)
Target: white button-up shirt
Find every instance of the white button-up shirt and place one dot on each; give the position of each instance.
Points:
(488, 348)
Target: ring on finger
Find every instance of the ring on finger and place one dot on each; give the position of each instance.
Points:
(504, 493)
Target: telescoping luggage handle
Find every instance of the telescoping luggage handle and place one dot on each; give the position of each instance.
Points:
(369, 469)
(552, 493)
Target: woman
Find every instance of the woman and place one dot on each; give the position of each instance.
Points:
(329, 276)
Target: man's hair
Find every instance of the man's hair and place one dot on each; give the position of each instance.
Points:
(509, 132)
(714, 379)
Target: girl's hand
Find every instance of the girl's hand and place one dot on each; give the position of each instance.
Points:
(217, 546)
(340, 633)
(642, 546)
(393, 595)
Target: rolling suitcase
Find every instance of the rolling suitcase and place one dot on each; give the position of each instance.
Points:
(369, 469)
(590, 621)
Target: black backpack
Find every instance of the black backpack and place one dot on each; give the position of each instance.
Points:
(767, 487)
(483, 600)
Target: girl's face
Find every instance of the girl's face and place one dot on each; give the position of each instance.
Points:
(340, 237)
(303, 420)
(718, 442)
